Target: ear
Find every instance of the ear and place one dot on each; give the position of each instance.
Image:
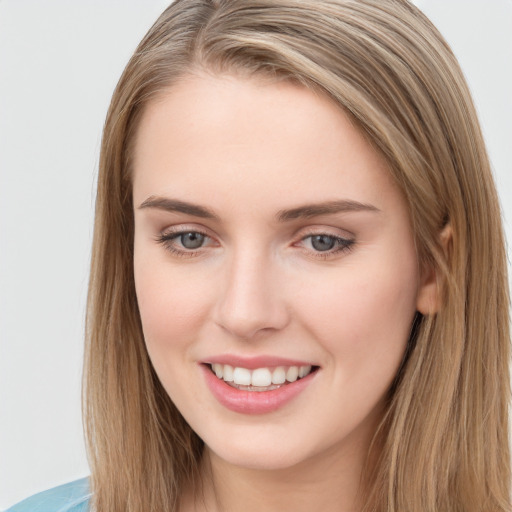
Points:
(428, 300)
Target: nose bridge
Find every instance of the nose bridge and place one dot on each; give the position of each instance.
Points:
(251, 300)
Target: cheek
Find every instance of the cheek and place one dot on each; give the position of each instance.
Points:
(171, 305)
(172, 312)
(363, 315)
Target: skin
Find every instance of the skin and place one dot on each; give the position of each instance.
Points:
(246, 150)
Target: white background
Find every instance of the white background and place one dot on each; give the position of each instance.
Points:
(59, 63)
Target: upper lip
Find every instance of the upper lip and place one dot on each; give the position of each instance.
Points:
(251, 363)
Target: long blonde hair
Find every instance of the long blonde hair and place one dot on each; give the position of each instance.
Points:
(443, 445)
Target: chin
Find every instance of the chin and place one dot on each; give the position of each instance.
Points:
(264, 448)
(257, 459)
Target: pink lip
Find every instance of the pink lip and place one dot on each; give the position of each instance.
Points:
(251, 363)
(254, 402)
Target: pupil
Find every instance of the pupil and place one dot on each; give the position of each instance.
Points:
(192, 240)
(322, 242)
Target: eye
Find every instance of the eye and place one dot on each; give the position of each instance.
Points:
(186, 243)
(191, 240)
(326, 245)
(322, 242)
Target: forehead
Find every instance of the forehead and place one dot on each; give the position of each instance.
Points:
(271, 142)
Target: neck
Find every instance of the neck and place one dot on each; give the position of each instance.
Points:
(328, 482)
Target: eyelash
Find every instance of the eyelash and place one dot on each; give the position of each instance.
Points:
(341, 245)
(167, 239)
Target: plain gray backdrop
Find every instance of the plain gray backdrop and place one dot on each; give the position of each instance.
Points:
(59, 63)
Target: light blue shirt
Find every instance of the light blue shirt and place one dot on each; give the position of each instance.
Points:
(72, 497)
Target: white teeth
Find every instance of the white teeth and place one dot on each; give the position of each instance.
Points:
(292, 373)
(218, 369)
(304, 370)
(279, 375)
(242, 376)
(228, 373)
(260, 377)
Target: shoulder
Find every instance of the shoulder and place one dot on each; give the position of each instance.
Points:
(71, 497)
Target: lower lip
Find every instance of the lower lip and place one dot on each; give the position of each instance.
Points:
(253, 402)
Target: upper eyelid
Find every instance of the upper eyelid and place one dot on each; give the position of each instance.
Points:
(323, 230)
(320, 227)
(185, 228)
(173, 235)
(342, 240)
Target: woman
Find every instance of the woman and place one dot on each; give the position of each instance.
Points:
(298, 292)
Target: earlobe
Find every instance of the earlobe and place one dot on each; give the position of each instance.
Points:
(428, 300)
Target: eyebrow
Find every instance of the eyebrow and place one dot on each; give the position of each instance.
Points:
(302, 212)
(330, 207)
(174, 205)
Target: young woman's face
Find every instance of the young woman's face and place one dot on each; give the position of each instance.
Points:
(270, 243)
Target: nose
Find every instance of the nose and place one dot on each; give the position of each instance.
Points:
(252, 301)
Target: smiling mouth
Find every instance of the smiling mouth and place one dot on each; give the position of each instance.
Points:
(260, 379)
